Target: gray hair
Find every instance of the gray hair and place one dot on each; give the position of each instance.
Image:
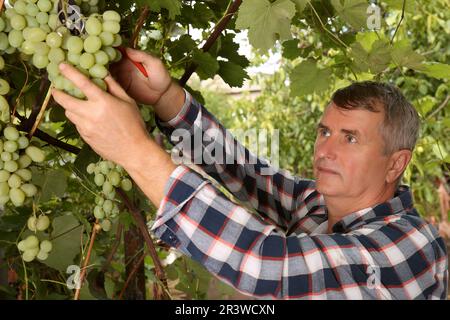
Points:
(401, 125)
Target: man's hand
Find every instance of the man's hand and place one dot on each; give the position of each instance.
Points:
(109, 122)
(157, 90)
(112, 125)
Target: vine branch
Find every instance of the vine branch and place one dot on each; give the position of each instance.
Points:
(159, 271)
(400, 22)
(212, 38)
(442, 106)
(139, 24)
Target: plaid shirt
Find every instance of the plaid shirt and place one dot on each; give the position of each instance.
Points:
(283, 251)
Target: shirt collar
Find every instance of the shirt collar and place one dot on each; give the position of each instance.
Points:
(401, 203)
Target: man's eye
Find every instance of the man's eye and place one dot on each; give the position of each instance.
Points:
(324, 132)
(351, 139)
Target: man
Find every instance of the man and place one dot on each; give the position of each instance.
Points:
(351, 234)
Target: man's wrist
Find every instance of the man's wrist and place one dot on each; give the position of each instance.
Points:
(171, 102)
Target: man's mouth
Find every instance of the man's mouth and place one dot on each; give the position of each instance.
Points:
(326, 170)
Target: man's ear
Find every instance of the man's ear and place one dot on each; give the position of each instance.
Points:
(397, 164)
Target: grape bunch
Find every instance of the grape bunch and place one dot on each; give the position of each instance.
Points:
(16, 155)
(33, 28)
(108, 175)
(31, 248)
(4, 90)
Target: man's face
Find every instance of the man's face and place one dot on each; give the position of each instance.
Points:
(348, 153)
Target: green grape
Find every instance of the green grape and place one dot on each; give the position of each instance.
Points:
(21, 245)
(106, 225)
(43, 222)
(117, 40)
(68, 85)
(4, 175)
(58, 82)
(20, 7)
(31, 242)
(56, 55)
(4, 42)
(99, 179)
(107, 187)
(24, 161)
(6, 156)
(53, 21)
(4, 189)
(14, 181)
(2, 24)
(93, 26)
(36, 154)
(31, 223)
(73, 58)
(90, 168)
(53, 69)
(42, 255)
(11, 166)
(29, 189)
(11, 133)
(29, 255)
(111, 52)
(25, 174)
(46, 246)
(46, 28)
(32, 9)
(87, 60)
(4, 105)
(77, 93)
(40, 61)
(92, 44)
(36, 34)
(15, 38)
(104, 167)
(27, 47)
(101, 58)
(111, 195)
(75, 44)
(54, 40)
(41, 48)
(2, 63)
(99, 200)
(45, 5)
(18, 22)
(9, 12)
(4, 87)
(98, 71)
(10, 146)
(42, 17)
(1, 145)
(111, 15)
(126, 184)
(15, 156)
(114, 178)
(107, 206)
(99, 213)
(17, 197)
(107, 38)
(32, 22)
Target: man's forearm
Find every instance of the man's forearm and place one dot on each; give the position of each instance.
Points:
(150, 167)
(171, 102)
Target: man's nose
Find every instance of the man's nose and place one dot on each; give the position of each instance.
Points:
(326, 148)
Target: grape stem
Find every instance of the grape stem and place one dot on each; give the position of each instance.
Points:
(139, 24)
(159, 271)
(1, 4)
(86, 261)
(40, 116)
(221, 25)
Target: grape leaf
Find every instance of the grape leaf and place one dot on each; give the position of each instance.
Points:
(404, 56)
(229, 50)
(267, 22)
(51, 182)
(291, 49)
(307, 78)
(376, 59)
(410, 5)
(66, 242)
(232, 73)
(437, 70)
(353, 12)
(207, 64)
(173, 6)
(301, 4)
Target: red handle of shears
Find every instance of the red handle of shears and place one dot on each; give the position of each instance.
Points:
(138, 65)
